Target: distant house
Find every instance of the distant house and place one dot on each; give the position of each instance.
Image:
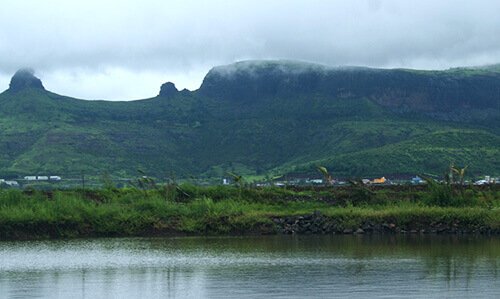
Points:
(487, 180)
(316, 181)
(381, 180)
(42, 178)
(417, 180)
(491, 180)
(263, 184)
(12, 183)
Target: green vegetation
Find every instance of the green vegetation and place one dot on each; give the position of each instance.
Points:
(263, 118)
(187, 209)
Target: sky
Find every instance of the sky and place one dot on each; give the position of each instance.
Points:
(124, 50)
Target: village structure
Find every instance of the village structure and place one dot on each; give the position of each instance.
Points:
(296, 180)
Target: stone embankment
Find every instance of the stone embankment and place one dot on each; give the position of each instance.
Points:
(317, 223)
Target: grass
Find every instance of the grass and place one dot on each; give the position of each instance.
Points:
(224, 210)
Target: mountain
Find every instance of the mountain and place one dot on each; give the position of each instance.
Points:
(261, 117)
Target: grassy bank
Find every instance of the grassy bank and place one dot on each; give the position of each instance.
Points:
(231, 210)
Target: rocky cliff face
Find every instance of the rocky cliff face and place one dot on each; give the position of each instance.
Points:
(431, 92)
(24, 79)
(168, 89)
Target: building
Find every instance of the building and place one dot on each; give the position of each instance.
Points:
(381, 180)
(42, 178)
(417, 180)
(316, 181)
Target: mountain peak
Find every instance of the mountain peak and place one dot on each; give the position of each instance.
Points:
(23, 79)
(168, 89)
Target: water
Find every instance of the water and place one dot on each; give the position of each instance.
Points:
(253, 267)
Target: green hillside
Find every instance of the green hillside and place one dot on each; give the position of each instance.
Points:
(429, 153)
(260, 117)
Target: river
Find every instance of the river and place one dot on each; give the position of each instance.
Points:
(253, 267)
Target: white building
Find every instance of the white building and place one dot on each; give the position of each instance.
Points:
(12, 183)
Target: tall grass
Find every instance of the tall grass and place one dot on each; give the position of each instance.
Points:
(216, 210)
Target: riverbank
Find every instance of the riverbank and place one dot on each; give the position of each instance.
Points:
(189, 210)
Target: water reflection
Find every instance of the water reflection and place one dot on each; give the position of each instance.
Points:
(250, 267)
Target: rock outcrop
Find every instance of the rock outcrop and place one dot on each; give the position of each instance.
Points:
(445, 95)
(168, 89)
(317, 223)
(25, 79)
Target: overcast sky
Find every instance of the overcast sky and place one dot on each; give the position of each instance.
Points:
(126, 49)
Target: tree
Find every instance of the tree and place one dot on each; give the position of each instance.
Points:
(460, 172)
(326, 175)
(238, 180)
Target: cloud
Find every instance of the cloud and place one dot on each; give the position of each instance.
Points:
(126, 49)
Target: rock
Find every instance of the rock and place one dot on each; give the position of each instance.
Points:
(368, 230)
(24, 79)
(315, 229)
(388, 227)
(318, 220)
(311, 224)
(168, 89)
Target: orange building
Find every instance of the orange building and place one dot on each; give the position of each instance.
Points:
(382, 180)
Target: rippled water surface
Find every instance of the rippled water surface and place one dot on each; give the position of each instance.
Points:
(253, 267)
